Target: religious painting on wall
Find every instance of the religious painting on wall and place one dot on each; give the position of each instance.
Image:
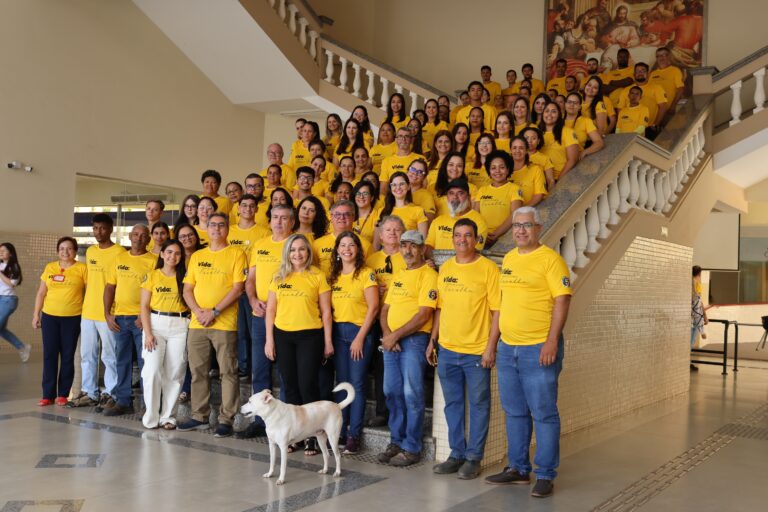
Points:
(578, 30)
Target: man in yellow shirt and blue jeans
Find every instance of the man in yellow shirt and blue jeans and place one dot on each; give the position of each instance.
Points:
(535, 295)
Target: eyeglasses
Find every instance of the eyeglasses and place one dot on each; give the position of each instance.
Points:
(403, 137)
(252, 187)
(304, 177)
(190, 205)
(363, 194)
(218, 225)
(343, 215)
(484, 143)
(398, 184)
(185, 237)
(572, 102)
(521, 225)
(416, 171)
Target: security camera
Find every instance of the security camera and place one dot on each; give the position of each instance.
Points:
(14, 165)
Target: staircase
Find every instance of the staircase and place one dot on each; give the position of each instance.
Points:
(618, 217)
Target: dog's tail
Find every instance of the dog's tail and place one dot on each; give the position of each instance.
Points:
(346, 386)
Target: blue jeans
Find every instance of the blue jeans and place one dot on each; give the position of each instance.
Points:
(129, 336)
(353, 372)
(244, 315)
(8, 304)
(91, 331)
(261, 367)
(528, 393)
(404, 389)
(459, 373)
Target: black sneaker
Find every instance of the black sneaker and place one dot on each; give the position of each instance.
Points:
(469, 470)
(385, 456)
(222, 430)
(118, 410)
(543, 488)
(105, 402)
(192, 424)
(251, 431)
(508, 476)
(451, 465)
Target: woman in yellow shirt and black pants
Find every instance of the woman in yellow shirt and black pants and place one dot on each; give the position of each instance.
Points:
(299, 324)
(355, 301)
(165, 321)
(58, 305)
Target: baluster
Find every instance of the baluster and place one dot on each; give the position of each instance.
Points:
(399, 89)
(759, 90)
(593, 228)
(661, 199)
(679, 175)
(701, 138)
(643, 197)
(568, 249)
(735, 104)
(343, 75)
(651, 177)
(281, 10)
(691, 158)
(272, 3)
(384, 93)
(313, 44)
(696, 148)
(581, 239)
(414, 101)
(668, 191)
(614, 200)
(329, 67)
(303, 31)
(356, 80)
(604, 213)
(634, 185)
(292, 11)
(371, 87)
(556, 248)
(625, 187)
(685, 165)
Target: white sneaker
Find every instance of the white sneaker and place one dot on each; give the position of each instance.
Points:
(24, 352)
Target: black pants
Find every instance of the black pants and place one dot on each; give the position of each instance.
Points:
(377, 366)
(60, 335)
(299, 355)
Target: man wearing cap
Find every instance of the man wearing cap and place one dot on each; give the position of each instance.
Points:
(440, 235)
(535, 296)
(406, 322)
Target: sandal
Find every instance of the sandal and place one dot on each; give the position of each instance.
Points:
(183, 397)
(168, 426)
(310, 447)
(295, 447)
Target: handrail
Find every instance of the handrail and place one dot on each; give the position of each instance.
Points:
(306, 9)
(738, 65)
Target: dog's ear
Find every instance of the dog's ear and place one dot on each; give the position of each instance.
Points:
(267, 397)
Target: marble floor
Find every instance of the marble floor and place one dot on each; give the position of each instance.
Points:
(706, 451)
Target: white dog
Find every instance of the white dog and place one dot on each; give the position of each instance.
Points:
(287, 424)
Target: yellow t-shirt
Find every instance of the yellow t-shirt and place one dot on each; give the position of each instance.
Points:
(429, 130)
(520, 127)
(65, 288)
(557, 83)
(323, 249)
(440, 235)
(477, 176)
(379, 152)
(245, 238)
(395, 163)
(556, 151)
(582, 127)
(670, 79)
(442, 202)
(489, 116)
(514, 89)
(127, 275)
(537, 87)
(529, 284)
(424, 199)
(202, 234)
(266, 256)
(99, 262)
(165, 293)
(412, 215)
(494, 89)
(653, 96)
(348, 296)
(385, 270)
(234, 216)
(213, 273)
(298, 300)
(503, 144)
(467, 290)
(261, 215)
(496, 201)
(331, 143)
(409, 291)
(287, 174)
(366, 227)
(602, 107)
(616, 75)
(633, 119)
(223, 204)
(540, 159)
(299, 156)
(531, 181)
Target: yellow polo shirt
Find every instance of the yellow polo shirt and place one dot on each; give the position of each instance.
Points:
(266, 256)
(556, 151)
(670, 79)
(496, 201)
(440, 236)
(323, 249)
(383, 270)
(379, 152)
(409, 291)
(653, 96)
(245, 238)
(582, 127)
(99, 262)
(531, 181)
(348, 296)
(557, 83)
(298, 300)
(394, 163)
(165, 293)
(128, 273)
(65, 288)
(633, 119)
(489, 116)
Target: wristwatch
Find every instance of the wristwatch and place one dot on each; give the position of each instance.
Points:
(216, 312)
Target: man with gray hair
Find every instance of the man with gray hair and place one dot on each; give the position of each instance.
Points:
(440, 236)
(343, 217)
(535, 295)
(275, 156)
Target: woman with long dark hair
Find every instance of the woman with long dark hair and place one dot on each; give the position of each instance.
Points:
(58, 305)
(366, 195)
(476, 173)
(188, 213)
(529, 176)
(160, 232)
(460, 135)
(165, 322)
(541, 101)
(597, 107)
(360, 114)
(279, 196)
(10, 278)
(311, 218)
(396, 113)
(452, 168)
(521, 115)
(560, 144)
(351, 139)
(332, 134)
(206, 206)
(384, 147)
(355, 302)
(588, 136)
(433, 123)
(417, 143)
(399, 201)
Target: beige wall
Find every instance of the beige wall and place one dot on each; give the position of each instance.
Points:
(94, 87)
(425, 39)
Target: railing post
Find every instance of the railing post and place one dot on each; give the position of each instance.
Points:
(292, 10)
(329, 67)
(384, 93)
(581, 238)
(625, 188)
(759, 90)
(371, 87)
(414, 101)
(735, 103)
(661, 198)
(651, 177)
(303, 31)
(399, 89)
(568, 248)
(634, 185)
(281, 9)
(356, 80)
(313, 44)
(593, 228)
(679, 173)
(641, 181)
(604, 213)
(343, 74)
(669, 191)
(614, 200)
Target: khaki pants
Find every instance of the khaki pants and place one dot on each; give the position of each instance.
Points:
(199, 342)
(78, 379)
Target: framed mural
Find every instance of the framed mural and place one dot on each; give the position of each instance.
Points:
(578, 30)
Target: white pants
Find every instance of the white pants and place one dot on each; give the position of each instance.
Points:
(164, 368)
(90, 333)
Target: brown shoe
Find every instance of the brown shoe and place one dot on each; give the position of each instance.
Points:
(404, 459)
(81, 400)
(385, 456)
